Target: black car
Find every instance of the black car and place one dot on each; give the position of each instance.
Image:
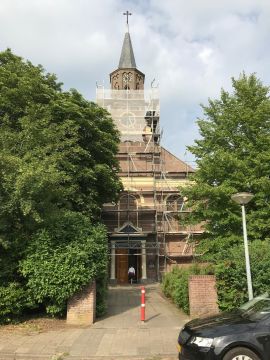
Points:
(243, 334)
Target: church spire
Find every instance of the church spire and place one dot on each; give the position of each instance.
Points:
(127, 59)
(127, 76)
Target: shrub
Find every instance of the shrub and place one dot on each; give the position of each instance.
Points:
(63, 259)
(175, 284)
(231, 274)
(13, 301)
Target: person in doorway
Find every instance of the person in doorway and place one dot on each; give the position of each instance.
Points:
(131, 274)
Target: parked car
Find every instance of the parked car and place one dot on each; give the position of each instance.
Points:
(242, 334)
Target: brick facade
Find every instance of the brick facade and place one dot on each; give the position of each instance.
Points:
(202, 295)
(81, 308)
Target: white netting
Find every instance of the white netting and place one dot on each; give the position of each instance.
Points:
(135, 112)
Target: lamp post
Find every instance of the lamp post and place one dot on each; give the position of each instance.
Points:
(242, 199)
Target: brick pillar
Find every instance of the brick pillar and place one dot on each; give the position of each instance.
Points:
(81, 308)
(202, 295)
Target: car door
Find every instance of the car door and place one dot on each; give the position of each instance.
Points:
(263, 336)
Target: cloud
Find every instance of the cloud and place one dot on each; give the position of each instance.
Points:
(192, 48)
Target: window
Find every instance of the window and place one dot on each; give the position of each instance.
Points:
(128, 210)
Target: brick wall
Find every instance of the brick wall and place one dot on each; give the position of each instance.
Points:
(202, 295)
(81, 308)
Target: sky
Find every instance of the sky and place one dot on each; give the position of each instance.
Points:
(191, 48)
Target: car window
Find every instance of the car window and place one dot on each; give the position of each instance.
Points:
(258, 310)
(250, 303)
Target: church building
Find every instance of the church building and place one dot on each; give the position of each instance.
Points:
(144, 227)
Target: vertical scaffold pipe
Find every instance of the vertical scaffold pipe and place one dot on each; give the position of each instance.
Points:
(142, 303)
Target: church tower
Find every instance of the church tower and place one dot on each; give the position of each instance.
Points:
(143, 227)
(127, 76)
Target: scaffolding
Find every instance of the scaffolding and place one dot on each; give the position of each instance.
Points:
(144, 203)
(136, 115)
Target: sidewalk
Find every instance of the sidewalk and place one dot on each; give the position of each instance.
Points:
(119, 335)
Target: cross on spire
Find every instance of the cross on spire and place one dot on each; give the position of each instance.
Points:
(127, 14)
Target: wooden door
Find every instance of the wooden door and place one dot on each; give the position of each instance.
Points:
(122, 266)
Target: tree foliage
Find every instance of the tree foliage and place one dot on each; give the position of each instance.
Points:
(57, 168)
(232, 155)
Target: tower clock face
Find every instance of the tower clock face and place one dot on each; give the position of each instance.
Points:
(127, 77)
(127, 120)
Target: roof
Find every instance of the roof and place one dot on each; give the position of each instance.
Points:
(171, 163)
(127, 59)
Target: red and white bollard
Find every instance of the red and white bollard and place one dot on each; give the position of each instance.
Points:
(142, 303)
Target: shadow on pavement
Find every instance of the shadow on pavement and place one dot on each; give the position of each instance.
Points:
(124, 298)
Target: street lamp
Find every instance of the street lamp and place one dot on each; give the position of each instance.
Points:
(242, 199)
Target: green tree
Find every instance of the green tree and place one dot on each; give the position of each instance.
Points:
(57, 162)
(233, 155)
